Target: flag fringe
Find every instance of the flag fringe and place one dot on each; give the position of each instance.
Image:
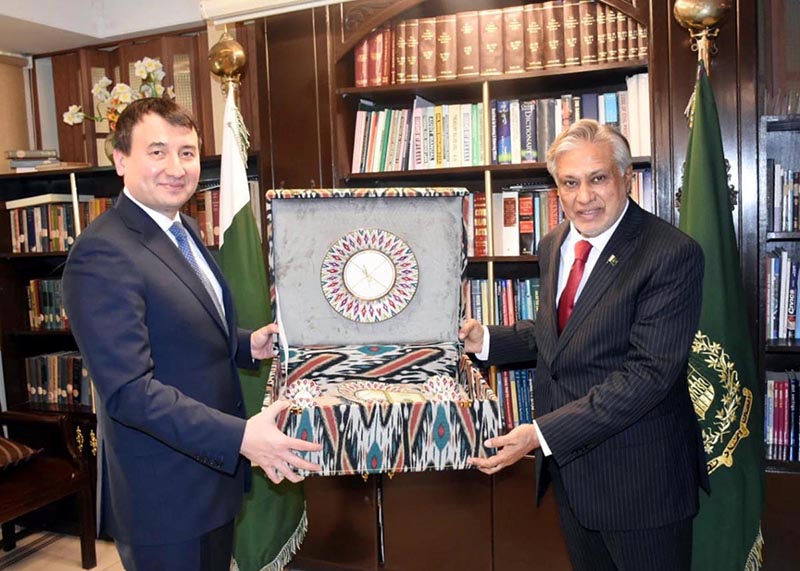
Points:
(286, 554)
(755, 557)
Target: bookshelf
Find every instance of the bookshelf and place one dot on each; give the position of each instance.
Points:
(487, 510)
(779, 144)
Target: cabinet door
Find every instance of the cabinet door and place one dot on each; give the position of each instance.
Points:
(525, 536)
(67, 76)
(342, 524)
(438, 520)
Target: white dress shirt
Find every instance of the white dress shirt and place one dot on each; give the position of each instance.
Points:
(567, 253)
(164, 222)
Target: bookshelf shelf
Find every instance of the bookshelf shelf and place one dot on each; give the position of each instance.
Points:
(501, 84)
(536, 170)
(32, 255)
(782, 346)
(783, 236)
(40, 332)
(503, 259)
(780, 467)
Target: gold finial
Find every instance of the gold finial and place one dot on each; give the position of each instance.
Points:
(227, 59)
(702, 18)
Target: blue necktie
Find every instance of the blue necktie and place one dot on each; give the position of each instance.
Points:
(182, 238)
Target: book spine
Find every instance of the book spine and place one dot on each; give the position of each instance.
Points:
(526, 229)
(572, 36)
(633, 39)
(361, 55)
(503, 132)
(513, 40)
(587, 10)
(611, 34)
(491, 42)
(467, 42)
(427, 49)
(375, 56)
(553, 34)
(412, 50)
(534, 36)
(622, 37)
(400, 53)
(602, 36)
(481, 225)
(446, 48)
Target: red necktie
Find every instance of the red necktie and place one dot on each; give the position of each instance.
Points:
(567, 300)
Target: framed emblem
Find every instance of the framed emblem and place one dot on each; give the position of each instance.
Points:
(369, 275)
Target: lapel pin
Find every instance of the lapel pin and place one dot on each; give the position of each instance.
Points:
(612, 259)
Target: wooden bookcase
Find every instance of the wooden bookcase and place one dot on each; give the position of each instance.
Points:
(779, 138)
(422, 520)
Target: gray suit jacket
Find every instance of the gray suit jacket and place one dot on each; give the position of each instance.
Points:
(170, 413)
(610, 392)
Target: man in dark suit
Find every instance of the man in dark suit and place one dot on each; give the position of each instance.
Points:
(615, 429)
(156, 325)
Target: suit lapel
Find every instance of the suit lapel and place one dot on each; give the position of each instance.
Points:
(155, 240)
(621, 246)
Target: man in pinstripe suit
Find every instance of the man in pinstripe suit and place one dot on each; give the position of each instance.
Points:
(615, 429)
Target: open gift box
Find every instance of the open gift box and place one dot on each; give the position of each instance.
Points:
(368, 294)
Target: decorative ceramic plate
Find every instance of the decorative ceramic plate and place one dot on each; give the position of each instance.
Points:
(369, 275)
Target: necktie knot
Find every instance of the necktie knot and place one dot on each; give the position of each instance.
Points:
(582, 249)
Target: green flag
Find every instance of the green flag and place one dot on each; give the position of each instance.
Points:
(723, 378)
(272, 522)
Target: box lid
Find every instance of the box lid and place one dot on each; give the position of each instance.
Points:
(361, 266)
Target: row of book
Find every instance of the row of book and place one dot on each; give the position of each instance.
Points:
(46, 223)
(515, 299)
(59, 378)
(430, 135)
(783, 189)
(45, 305)
(515, 395)
(516, 39)
(781, 296)
(782, 416)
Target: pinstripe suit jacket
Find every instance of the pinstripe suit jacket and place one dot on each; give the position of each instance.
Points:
(610, 392)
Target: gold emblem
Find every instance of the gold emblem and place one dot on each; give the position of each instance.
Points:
(724, 416)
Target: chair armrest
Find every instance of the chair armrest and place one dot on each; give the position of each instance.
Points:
(58, 423)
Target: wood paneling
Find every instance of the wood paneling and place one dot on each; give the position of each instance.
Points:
(297, 106)
(69, 91)
(342, 524)
(438, 520)
(526, 536)
(780, 529)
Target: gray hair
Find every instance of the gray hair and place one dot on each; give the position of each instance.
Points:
(590, 131)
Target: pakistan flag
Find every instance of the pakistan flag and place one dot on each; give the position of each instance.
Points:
(723, 378)
(272, 522)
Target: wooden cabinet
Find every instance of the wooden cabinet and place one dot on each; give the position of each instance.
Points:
(779, 138)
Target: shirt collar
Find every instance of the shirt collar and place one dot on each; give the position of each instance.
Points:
(163, 221)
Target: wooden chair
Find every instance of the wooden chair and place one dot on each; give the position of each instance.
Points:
(46, 478)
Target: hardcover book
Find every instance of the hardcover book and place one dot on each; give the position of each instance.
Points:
(412, 51)
(491, 41)
(572, 33)
(427, 49)
(513, 40)
(533, 15)
(446, 48)
(588, 31)
(553, 21)
(369, 303)
(467, 42)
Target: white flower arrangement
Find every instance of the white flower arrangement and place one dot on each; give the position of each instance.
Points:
(111, 103)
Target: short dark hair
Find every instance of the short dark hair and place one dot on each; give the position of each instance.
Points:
(170, 111)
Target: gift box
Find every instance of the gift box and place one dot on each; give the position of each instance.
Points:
(368, 291)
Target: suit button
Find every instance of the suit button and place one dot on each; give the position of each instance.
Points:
(554, 376)
(239, 404)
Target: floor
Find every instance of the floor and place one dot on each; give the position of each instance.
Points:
(53, 552)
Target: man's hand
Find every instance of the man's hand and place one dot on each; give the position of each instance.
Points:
(266, 446)
(513, 446)
(261, 342)
(472, 335)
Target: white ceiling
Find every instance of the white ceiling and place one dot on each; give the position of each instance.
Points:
(32, 27)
